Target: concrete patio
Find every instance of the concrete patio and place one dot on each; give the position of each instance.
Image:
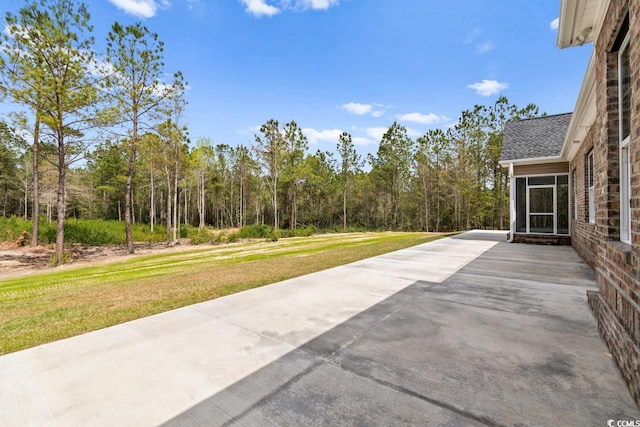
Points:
(462, 331)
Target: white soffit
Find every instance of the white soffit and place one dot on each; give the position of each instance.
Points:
(532, 161)
(584, 113)
(580, 21)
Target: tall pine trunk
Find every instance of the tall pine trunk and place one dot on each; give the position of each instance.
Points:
(36, 182)
(61, 200)
(294, 206)
(152, 201)
(127, 201)
(168, 206)
(274, 200)
(344, 206)
(175, 198)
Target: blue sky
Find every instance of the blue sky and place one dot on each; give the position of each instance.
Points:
(352, 65)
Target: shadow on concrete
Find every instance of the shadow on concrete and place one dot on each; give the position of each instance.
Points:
(485, 235)
(478, 349)
(316, 385)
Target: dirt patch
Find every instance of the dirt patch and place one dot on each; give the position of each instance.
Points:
(16, 260)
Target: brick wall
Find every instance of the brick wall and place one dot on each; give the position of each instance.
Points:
(542, 239)
(617, 265)
(583, 234)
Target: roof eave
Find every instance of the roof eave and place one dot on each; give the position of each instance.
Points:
(584, 113)
(567, 23)
(531, 161)
(576, 29)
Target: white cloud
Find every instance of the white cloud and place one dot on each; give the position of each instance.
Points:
(485, 47)
(259, 8)
(16, 31)
(376, 132)
(361, 141)
(252, 130)
(315, 136)
(425, 119)
(376, 110)
(414, 133)
(488, 87)
(554, 24)
(333, 136)
(141, 8)
(316, 4)
(473, 35)
(196, 6)
(100, 67)
(357, 108)
(263, 8)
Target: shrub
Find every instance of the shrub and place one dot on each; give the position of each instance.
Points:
(142, 233)
(208, 235)
(103, 232)
(188, 231)
(307, 231)
(255, 231)
(93, 232)
(80, 231)
(11, 228)
(274, 235)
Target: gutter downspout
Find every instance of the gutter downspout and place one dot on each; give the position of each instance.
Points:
(512, 204)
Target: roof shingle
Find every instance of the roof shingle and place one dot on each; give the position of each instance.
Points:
(534, 138)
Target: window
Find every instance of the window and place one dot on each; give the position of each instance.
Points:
(591, 187)
(574, 190)
(624, 111)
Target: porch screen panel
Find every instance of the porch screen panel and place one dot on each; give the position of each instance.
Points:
(541, 224)
(562, 203)
(521, 205)
(541, 209)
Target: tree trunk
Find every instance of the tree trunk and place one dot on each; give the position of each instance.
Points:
(168, 207)
(26, 202)
(49, 208)
(152, 202)
(201, 201)
(175, 201)
(294, 207)
(344, 206)
(241, 206)
(276, 222)
(186, 207)
(425, 187)
(394, 204)
(36, 181)
(128, 195)
(61, 201)
(127, 202)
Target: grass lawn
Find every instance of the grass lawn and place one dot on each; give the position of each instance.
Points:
(45, 307)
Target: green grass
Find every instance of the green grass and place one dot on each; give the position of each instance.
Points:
(45, 307)
(82, 231)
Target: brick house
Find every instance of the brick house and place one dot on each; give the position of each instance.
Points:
(576, 177)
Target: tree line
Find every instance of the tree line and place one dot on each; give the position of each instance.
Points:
(103, 137)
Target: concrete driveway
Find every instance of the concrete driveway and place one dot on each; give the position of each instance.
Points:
(462, 331)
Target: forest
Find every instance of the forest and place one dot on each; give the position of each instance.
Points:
(102, 136)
